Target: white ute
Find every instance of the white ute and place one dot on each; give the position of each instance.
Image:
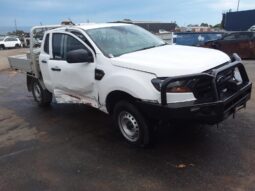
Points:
(129, 73)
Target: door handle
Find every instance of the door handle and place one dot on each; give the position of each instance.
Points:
(44, 61)
(56, 69)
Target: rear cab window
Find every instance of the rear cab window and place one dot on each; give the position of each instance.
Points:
(46, 47)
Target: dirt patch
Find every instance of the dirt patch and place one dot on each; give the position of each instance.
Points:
(4, 64)
(14, 129)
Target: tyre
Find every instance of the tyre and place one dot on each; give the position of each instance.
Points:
(2, 47)
(41, 96)
(132, 124)
(17, 46)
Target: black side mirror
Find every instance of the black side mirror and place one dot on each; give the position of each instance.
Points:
(79, 56)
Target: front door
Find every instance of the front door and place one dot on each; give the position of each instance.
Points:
(72, 82)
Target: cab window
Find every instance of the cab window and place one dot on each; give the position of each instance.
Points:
(62, 44)
(83, 38)
(57, 46)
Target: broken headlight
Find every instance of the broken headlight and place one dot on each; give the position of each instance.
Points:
(181, 86)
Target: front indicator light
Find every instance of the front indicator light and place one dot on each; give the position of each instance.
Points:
(178, 90)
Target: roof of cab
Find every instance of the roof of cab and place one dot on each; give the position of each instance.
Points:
(87, 26)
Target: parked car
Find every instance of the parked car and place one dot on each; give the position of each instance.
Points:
(252, 28)
(242, 43)
(9, 42)
(195, 39)
(132, 75)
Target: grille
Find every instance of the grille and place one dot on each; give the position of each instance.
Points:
(227, 83)
(203, 90)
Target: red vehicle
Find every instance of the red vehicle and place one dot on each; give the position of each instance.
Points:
(242, 43)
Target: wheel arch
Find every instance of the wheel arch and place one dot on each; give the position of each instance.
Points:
(115, 96)
(125, 83)
(31, 79)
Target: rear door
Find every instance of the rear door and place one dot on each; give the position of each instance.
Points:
(44, 62)
(76, 80)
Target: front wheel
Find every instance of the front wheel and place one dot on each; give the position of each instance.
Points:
(132, 124)
(42, 96)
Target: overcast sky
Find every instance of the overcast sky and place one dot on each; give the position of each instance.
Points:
(184, 12)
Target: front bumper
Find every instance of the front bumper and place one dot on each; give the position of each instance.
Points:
(203, 112)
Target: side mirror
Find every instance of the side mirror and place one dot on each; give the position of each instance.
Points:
(79, 56)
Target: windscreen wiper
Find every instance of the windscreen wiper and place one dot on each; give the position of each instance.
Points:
(164, 44)
(149, 47)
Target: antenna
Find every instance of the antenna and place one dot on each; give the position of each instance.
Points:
(238, 5)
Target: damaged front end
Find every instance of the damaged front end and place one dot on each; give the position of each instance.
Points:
(219, 93)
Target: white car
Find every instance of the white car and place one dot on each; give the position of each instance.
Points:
(252, 28)
(129, 73)
(9, 42)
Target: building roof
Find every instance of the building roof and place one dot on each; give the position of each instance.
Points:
(152, 26)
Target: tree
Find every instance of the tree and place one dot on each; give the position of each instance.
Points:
(204, 25)
(17, 33)
(218, 26)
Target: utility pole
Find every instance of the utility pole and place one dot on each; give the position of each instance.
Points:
(238, 5)
(15, 24)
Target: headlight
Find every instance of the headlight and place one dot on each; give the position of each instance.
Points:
(237, 76)
(174, 87)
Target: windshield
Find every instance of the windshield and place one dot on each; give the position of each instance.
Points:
(1, 38)
(117, 40)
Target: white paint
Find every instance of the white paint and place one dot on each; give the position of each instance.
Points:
(172, 60)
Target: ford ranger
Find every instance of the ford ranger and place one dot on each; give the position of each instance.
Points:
(127, 72)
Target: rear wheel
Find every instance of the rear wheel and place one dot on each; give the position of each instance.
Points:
(42, 96)
(132, 124)
(2, 47)
(17, 46)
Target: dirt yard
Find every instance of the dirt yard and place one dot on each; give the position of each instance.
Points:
(10, 52)
(75, 147)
